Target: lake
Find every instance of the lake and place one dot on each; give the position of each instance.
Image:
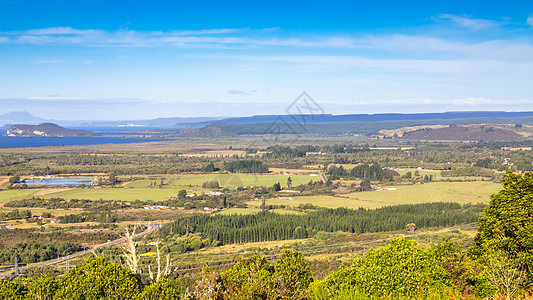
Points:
(56, 182)
(19, 142)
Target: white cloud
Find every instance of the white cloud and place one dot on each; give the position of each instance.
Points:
(530, 20)
(321, 63)
(467, 102)
(468, 22)
(59, 98)
(237, 92)
(398, 44)
(408, 45)
(241, 92)
(59, 31)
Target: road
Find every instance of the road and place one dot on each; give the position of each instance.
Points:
(151, 228)
(323, 178)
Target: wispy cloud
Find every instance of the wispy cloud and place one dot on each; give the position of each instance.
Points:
(65, 99)
(426, 53)
(530, 20)
(237, 92)
(466, 102)
(469, 22)
(57, 31)
(123, 37)
(427, 45)
(240, 92)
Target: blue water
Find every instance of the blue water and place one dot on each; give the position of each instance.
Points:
(52, 182)
(18, 142)
(59, 179)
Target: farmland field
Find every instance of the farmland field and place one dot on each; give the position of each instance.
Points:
(461, 192)
(120, 194)
(323, 201)
(253, 210)
(7, 195)
(243, 180)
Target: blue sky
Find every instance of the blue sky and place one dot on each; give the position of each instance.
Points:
(144, 59)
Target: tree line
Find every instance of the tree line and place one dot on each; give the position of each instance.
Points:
(31, 252)
(362, 171)
(246, 166)
(267, 226)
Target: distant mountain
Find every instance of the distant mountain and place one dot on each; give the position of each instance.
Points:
(46, 130)
(209, 131)
(176, 122)
(20, 117)
(354, 118)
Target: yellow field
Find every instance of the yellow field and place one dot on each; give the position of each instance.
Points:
(461, 192)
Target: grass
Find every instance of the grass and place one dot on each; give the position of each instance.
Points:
(142, 183)
(239, 211)
(461, 192)
(7, 195)
(253, 210)
(120, 194)
(322, 201)
(39, 211)
(436, 174)
(229, 249)
(423, 172)
(243, 180)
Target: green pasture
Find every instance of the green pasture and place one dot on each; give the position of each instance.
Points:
(461, 192)
(119, 194)
(226, 180)
(6, 195)
(243, 180)
(322, 201)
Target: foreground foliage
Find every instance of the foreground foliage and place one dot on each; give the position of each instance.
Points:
(497, 268)
(95, 279)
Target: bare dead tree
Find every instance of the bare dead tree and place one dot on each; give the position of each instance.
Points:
(129, 248)
(504, 272)
(160, 272)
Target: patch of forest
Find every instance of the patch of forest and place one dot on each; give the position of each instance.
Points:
(267, 226)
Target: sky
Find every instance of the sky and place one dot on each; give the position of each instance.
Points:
(127, 60)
